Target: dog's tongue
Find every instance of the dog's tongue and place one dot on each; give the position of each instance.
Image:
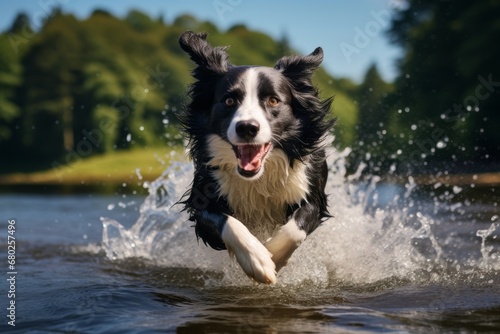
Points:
(250, 157)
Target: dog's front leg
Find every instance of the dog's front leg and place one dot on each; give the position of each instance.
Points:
(289, 237)
(251, 254)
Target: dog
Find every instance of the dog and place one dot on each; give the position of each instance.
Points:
(257, 138)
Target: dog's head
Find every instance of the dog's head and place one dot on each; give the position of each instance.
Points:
(252, 108)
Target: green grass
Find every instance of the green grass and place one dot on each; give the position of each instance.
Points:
(116, 167)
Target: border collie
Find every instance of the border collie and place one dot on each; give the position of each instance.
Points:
(256, 137)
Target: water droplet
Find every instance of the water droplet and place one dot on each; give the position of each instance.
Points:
(111, 207)
(440, 144)
(141, 128)
(129, 137)
(413, 127)
(138, 173)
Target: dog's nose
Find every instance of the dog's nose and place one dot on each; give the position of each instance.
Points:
(247, 129)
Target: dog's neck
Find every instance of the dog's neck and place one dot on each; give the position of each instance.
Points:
(259, 204)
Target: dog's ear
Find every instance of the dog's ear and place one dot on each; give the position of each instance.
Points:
(211, 60)
(300, 67)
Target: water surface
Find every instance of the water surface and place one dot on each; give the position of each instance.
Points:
(394, 258)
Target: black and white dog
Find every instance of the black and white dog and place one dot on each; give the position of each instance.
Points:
(256, 137)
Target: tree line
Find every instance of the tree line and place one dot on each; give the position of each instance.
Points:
(441, 114)
(75, 88)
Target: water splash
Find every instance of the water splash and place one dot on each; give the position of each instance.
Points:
(378, 232)
(159, 218)
(487, 251)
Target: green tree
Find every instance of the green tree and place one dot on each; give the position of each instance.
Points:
(140, 21)
(373, 115)
(52, 75)
(10, 80)
(117, 83)
(447, 95)
(373, 118)
(284, 47)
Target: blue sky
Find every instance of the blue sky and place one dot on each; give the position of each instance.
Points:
(351, 33)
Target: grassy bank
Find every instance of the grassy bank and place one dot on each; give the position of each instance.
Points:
(115, 167)
(122, 167)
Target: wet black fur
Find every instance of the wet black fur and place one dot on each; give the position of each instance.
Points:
(304, 125)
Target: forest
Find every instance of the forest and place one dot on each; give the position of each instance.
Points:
(79, 88)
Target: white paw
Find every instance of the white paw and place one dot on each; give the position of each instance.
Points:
(253, 257)
(284, 243)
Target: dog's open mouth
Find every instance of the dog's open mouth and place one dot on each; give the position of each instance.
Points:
(250, 158)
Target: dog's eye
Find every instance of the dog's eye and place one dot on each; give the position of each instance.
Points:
(272, 101)
(229, 101)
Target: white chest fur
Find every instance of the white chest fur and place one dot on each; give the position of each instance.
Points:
(259, 204)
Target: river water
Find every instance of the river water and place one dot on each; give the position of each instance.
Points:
(394, 258)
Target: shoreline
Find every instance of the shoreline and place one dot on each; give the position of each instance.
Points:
(491, 179)
(122, 167)
(40, 179)
(478, 179)
(37, 179)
